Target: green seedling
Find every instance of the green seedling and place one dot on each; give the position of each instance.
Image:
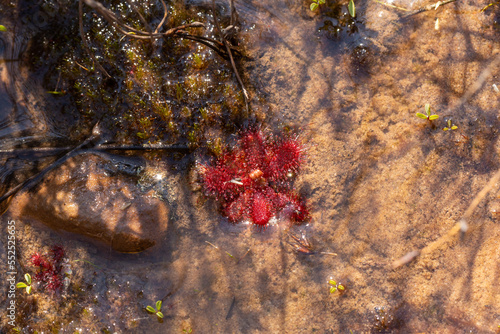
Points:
(2, 28)
(336, 286)
(156, 311)
(352, 8)
(315, 4)
(27, 285)
(450, 126)
(428, 115)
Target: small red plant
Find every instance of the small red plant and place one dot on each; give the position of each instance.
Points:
(49, 268)
(252, 181)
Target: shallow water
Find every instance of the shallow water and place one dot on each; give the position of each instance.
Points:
(380, 183)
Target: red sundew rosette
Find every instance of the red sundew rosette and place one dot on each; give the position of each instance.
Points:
(248, 181)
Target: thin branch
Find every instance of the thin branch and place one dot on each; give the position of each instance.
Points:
(485, 74)
(134, 7)
(176, 32)
(98, 148)
(33, 180)
(460, 226)
(226, 44)
(165, 15)
(234, 14)
(434, 6)
(82, 33)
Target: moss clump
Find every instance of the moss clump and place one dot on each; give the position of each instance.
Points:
(168, 90)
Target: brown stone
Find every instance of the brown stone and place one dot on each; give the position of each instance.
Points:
(80, 197)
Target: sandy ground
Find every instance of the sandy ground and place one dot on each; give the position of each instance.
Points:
(380, 183)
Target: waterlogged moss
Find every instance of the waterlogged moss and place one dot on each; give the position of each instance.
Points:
(168, 90)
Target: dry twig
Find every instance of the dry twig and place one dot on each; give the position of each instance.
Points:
(228, 48)
(33, 180)
(434, 6)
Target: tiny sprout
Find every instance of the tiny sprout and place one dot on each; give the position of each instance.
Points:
(156, 311)
(428, 115)
(352, 8)
(336, 286)
(27, 285)
(315, 4)
(450, 126)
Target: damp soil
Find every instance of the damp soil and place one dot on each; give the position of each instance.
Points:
(380, 182)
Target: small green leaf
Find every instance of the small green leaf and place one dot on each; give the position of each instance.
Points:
(352, 8)
(159, 314)
(454, 127)
(28, 289)
(314, 6)
(428, 109)
(21, 285)
(445, 129)
(27, 278)
(422, 116)
(333, 289)
(150, 309)
(433, 117)
(332, 282)
(341, 287)
(2, 28)
(321, 2)
(158, 305)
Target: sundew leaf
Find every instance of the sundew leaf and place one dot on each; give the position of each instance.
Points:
(352, 8)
